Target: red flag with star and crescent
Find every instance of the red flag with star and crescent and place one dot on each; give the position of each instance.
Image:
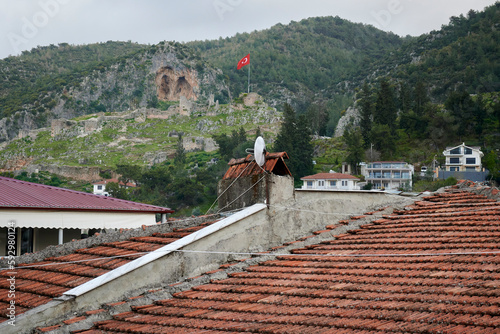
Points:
(244, 61)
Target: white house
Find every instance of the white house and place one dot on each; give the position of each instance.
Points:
(463, 158)
(34, 216)
(389, 175)
(100, 187)
(330, 181)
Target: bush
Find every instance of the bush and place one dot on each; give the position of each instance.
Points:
(433, 185)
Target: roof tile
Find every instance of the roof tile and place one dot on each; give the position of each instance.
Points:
(432, 268)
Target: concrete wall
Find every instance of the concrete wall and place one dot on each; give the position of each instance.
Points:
(471, 176)
(253, 189)
(254, 229)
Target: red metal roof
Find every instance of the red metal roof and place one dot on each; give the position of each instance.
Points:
(329, 176)
(16, 194)
(247, 166)
(432, 268)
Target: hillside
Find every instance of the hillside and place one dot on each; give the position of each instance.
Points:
(138, 77)
(143, 137)
(464, 54)
(108, 104)
(317, 60)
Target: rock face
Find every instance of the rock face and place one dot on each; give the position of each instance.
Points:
(165, 72)
(172, 84)
(351, 113)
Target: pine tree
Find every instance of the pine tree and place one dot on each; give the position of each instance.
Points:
(180, 153)
(354, 141)
(421, 98)
(366, 110)
(385, 109)
(294, 138)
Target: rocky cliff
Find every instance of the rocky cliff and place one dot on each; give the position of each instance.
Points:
(158, 74)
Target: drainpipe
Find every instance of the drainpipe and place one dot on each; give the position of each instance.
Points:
(61, 236)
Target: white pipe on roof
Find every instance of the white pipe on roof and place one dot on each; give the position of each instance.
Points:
(167, 249)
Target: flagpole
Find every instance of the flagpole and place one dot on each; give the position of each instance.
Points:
(248, 90)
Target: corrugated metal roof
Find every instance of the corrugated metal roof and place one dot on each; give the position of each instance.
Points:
(26, 195)
(247, 166)
(329, 176)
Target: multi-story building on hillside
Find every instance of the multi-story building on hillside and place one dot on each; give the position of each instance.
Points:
(463, 158)
(388, 175)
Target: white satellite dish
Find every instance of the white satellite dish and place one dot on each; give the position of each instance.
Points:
(259, 151)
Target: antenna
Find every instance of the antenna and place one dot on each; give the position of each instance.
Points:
(259, 151)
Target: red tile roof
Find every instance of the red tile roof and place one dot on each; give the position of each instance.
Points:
(329, 176)
(275, 164)
(434, 268)
(16, 194)
(37, 285)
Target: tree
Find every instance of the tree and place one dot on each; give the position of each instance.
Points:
(421, 98)
(180, 153)
(129, 173)
(294, 138)
(366, 110)
(460, 104)
(385, 109)
(116, 191)
(258, 132)
(353, 139)
(384, 140)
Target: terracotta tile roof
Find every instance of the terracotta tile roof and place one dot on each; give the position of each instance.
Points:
(275, 163)
(433, 268)
(37, 285)
(329, 176)
(16, 194)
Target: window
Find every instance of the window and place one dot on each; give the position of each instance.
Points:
(321, 183)
(344, 183)
(454, 169)
(309, 184)
(470, 161)
(387, 175)
(457, 150)
(333, 183)
(454, 160)
(397, 175)
(468, 150)
(99, 187)
(405, 175)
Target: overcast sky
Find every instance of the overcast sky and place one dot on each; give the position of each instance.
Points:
(25, 24)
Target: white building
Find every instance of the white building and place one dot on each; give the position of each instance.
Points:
(330, 181)
(35, 216)
(388, 175)
(100, 187)
(463, 158)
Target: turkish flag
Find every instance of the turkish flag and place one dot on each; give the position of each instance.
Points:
(244, 61)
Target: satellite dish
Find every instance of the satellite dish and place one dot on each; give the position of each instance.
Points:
(259, 151)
